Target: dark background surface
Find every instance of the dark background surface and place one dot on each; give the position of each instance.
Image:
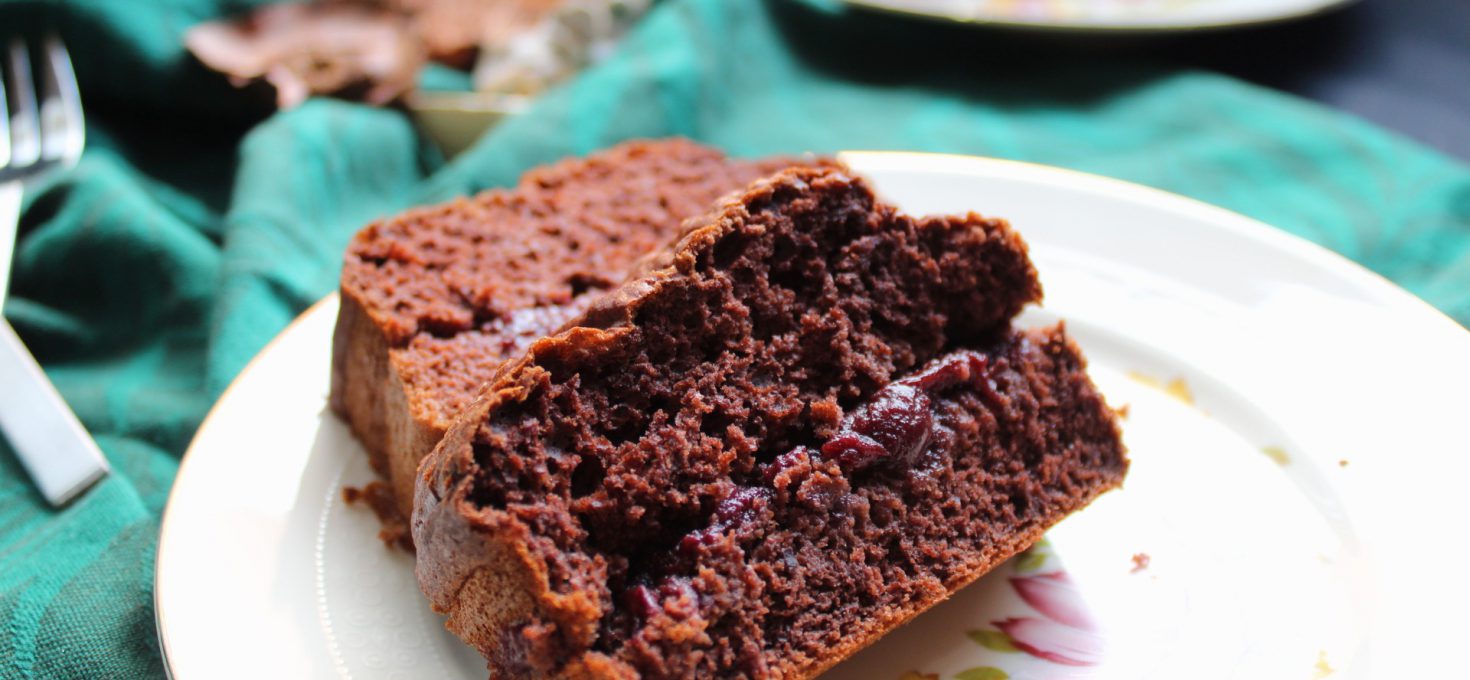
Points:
(1403, 64)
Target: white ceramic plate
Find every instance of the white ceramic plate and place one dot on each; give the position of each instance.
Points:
(1297, 428)
(1107, 15)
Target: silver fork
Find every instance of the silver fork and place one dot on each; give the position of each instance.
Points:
(41, 130)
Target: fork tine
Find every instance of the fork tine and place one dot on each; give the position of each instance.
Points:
(25, 145)
(62, 130)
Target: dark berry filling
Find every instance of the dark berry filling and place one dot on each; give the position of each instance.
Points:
(895, 427)
(892, 431)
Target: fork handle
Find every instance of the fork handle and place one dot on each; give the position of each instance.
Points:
(9, 222)
(47, 437)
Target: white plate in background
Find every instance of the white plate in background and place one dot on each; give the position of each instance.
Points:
(1297, 426)
(1116, 16)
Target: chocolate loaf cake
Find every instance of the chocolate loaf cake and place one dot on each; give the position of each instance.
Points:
(801, 425)
(434, 299)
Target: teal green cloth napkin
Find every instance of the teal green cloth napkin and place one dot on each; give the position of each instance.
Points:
(191, 233)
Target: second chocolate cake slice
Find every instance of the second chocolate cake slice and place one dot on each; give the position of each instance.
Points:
(801, 425)
(434, 299)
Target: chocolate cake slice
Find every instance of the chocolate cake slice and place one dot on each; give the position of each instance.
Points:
(434, 299)
(799, 426)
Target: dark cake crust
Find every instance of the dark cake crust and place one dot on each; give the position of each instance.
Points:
(433, 300)
(801, 425)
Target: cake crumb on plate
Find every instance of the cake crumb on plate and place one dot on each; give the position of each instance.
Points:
(1140, 562)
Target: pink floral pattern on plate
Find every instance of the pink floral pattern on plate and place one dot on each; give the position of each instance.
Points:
(1055, 625)
(1067, 635)
(1055, 597)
